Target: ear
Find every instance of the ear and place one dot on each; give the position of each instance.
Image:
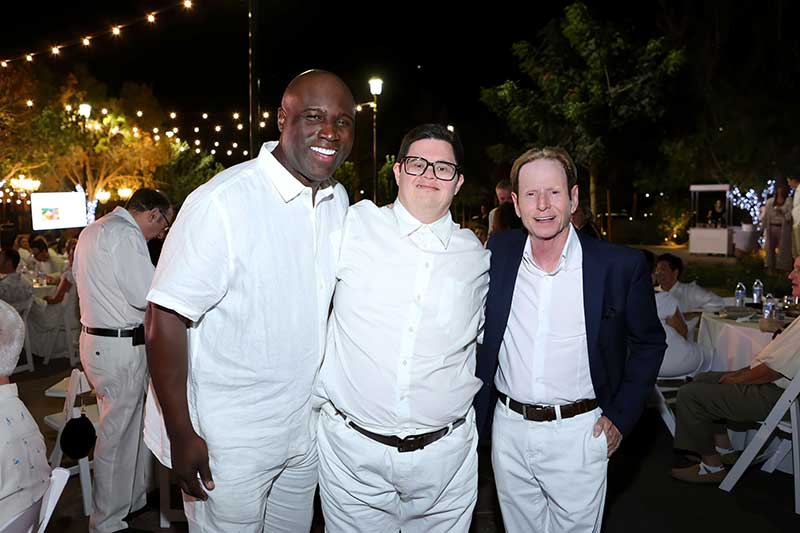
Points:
(396, 170)
(574, 198)
(515, 199)
(281, 118)
(459, 183)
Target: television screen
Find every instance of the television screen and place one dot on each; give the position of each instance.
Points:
(56, 210)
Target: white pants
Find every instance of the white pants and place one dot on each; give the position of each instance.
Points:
(367, 486)
(550, 476)
(251, 496)
(118, 372)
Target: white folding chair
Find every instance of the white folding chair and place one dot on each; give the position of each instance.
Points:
(78, 384)
(24, 309)
(36, 517)
(787, 402)
(69, 327)
(667, 385)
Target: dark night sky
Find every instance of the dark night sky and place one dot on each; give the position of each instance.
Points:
(433, 56)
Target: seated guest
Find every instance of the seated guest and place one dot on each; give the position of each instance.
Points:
(45, 260)
(747, 395)
(23, 246)
(683, 357)
(24, 471)
(14, 289)
(690, 296)
(67, 282)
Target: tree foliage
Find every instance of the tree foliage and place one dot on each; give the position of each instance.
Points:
(589, 86)
(185, 172)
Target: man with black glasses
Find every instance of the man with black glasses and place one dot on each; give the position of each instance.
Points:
(397, 440)
(113, 272)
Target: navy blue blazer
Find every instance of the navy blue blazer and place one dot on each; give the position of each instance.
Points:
(625, 339)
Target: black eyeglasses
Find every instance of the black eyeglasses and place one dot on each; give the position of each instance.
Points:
(166, 220)
(443, 170)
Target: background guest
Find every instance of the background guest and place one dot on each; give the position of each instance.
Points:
(777, 217)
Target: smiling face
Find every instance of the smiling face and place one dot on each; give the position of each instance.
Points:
(427, 197)
(543, 202)
(316, 120)
(665, 276)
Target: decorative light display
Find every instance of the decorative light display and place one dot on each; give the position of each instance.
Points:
(752, 201)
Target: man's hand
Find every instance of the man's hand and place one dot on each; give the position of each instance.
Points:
(190, 458)
(613, 436)
(758, 375)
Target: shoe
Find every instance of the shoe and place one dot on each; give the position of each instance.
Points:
(698, 474)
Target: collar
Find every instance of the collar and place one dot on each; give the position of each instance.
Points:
(442, 228)
(8, 391)
(571, 255)
(124, 213)
(283, 181)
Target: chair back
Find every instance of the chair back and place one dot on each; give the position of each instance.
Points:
(35, 518)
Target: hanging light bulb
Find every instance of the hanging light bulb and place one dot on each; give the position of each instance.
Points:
(29, 57)
(151, 18)
(87, 41)
(55, 50)
(116, 30)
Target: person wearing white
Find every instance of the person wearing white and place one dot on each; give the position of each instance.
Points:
(237, 317)
(794, 183)
(112, 271)
(44, 260)
(691, 297)
(400, 356)
(14, 289)
(24, 472)
(683, 357)
(573, 345)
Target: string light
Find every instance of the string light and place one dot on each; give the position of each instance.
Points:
(217, 128)
(104, 111)
(239, 127)
(116, 30)
(151, 18)
(265, 114)
(55, 50)
(751, 201)
(196, 129)
(235, 145)
(197, 150)
(139, 114)
(29, 57)
(87, 41)
(262, 124)
(197, 142)
(173, 115)
(68, 108)
(205, 116)
(4, 64)
(187, 4)
(29, 103)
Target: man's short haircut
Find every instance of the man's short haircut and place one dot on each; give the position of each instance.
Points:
(503, 184)
(432, 131)
(39, 243)
(147, 199)
(12, 255)
(673, 261)
(650, 257)
(556, 153)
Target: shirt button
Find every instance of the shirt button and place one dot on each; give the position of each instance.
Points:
(405, 362)
(427, 264)
(411, 329)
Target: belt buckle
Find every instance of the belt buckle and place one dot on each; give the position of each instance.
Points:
(410, 444)
(533, 409)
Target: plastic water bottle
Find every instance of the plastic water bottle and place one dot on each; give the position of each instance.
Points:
(741, 294)
(770, 310)
(758, 291)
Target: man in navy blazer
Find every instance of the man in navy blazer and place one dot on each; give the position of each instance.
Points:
(573, 345)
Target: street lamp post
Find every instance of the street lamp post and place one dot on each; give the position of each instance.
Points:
(375, 87)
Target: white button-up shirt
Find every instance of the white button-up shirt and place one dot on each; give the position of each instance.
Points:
(693, 297)
(544, 358)
(112, 271)
(407, 310)
(782, 354)
(24, 472)
(250, 260)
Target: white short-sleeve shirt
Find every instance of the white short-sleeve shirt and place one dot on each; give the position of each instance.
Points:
(250, 260)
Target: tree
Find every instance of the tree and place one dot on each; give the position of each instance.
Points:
(185, 171)
(591, 87)
(17, 86)
(348, 177)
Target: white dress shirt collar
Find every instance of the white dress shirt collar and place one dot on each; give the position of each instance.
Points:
(287, 185)
(408, 224)
(569, 260)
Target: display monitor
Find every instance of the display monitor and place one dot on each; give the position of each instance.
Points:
(56, 210)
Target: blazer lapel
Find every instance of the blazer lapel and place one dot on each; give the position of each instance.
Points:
(594, 275)
(509, 279)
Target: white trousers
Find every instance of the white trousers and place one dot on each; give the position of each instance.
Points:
(118, 372)
(550, 476)
(252, 495)
(367, 486)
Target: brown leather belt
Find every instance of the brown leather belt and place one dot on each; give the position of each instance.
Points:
(407, 444)
(547, 413)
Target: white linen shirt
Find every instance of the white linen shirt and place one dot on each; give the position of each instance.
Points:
(112, 271)
(782, 354)
(544, 358)
(24, 472)
(408, 306)
(692, 297)
(250, 260)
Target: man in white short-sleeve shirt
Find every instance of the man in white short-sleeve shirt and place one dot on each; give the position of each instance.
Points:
(112, 271)
(236, 323)
(397, 439)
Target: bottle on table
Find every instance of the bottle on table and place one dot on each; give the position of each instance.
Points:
(758, 291)
(741, 294)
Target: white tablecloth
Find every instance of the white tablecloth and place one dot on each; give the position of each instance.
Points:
(735, 344)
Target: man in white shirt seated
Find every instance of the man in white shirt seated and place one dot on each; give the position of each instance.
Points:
(397, 438)
(746, 395)
(24, 472)
(691, 297)
(14, 289)
(44, 260)
(683, 356)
